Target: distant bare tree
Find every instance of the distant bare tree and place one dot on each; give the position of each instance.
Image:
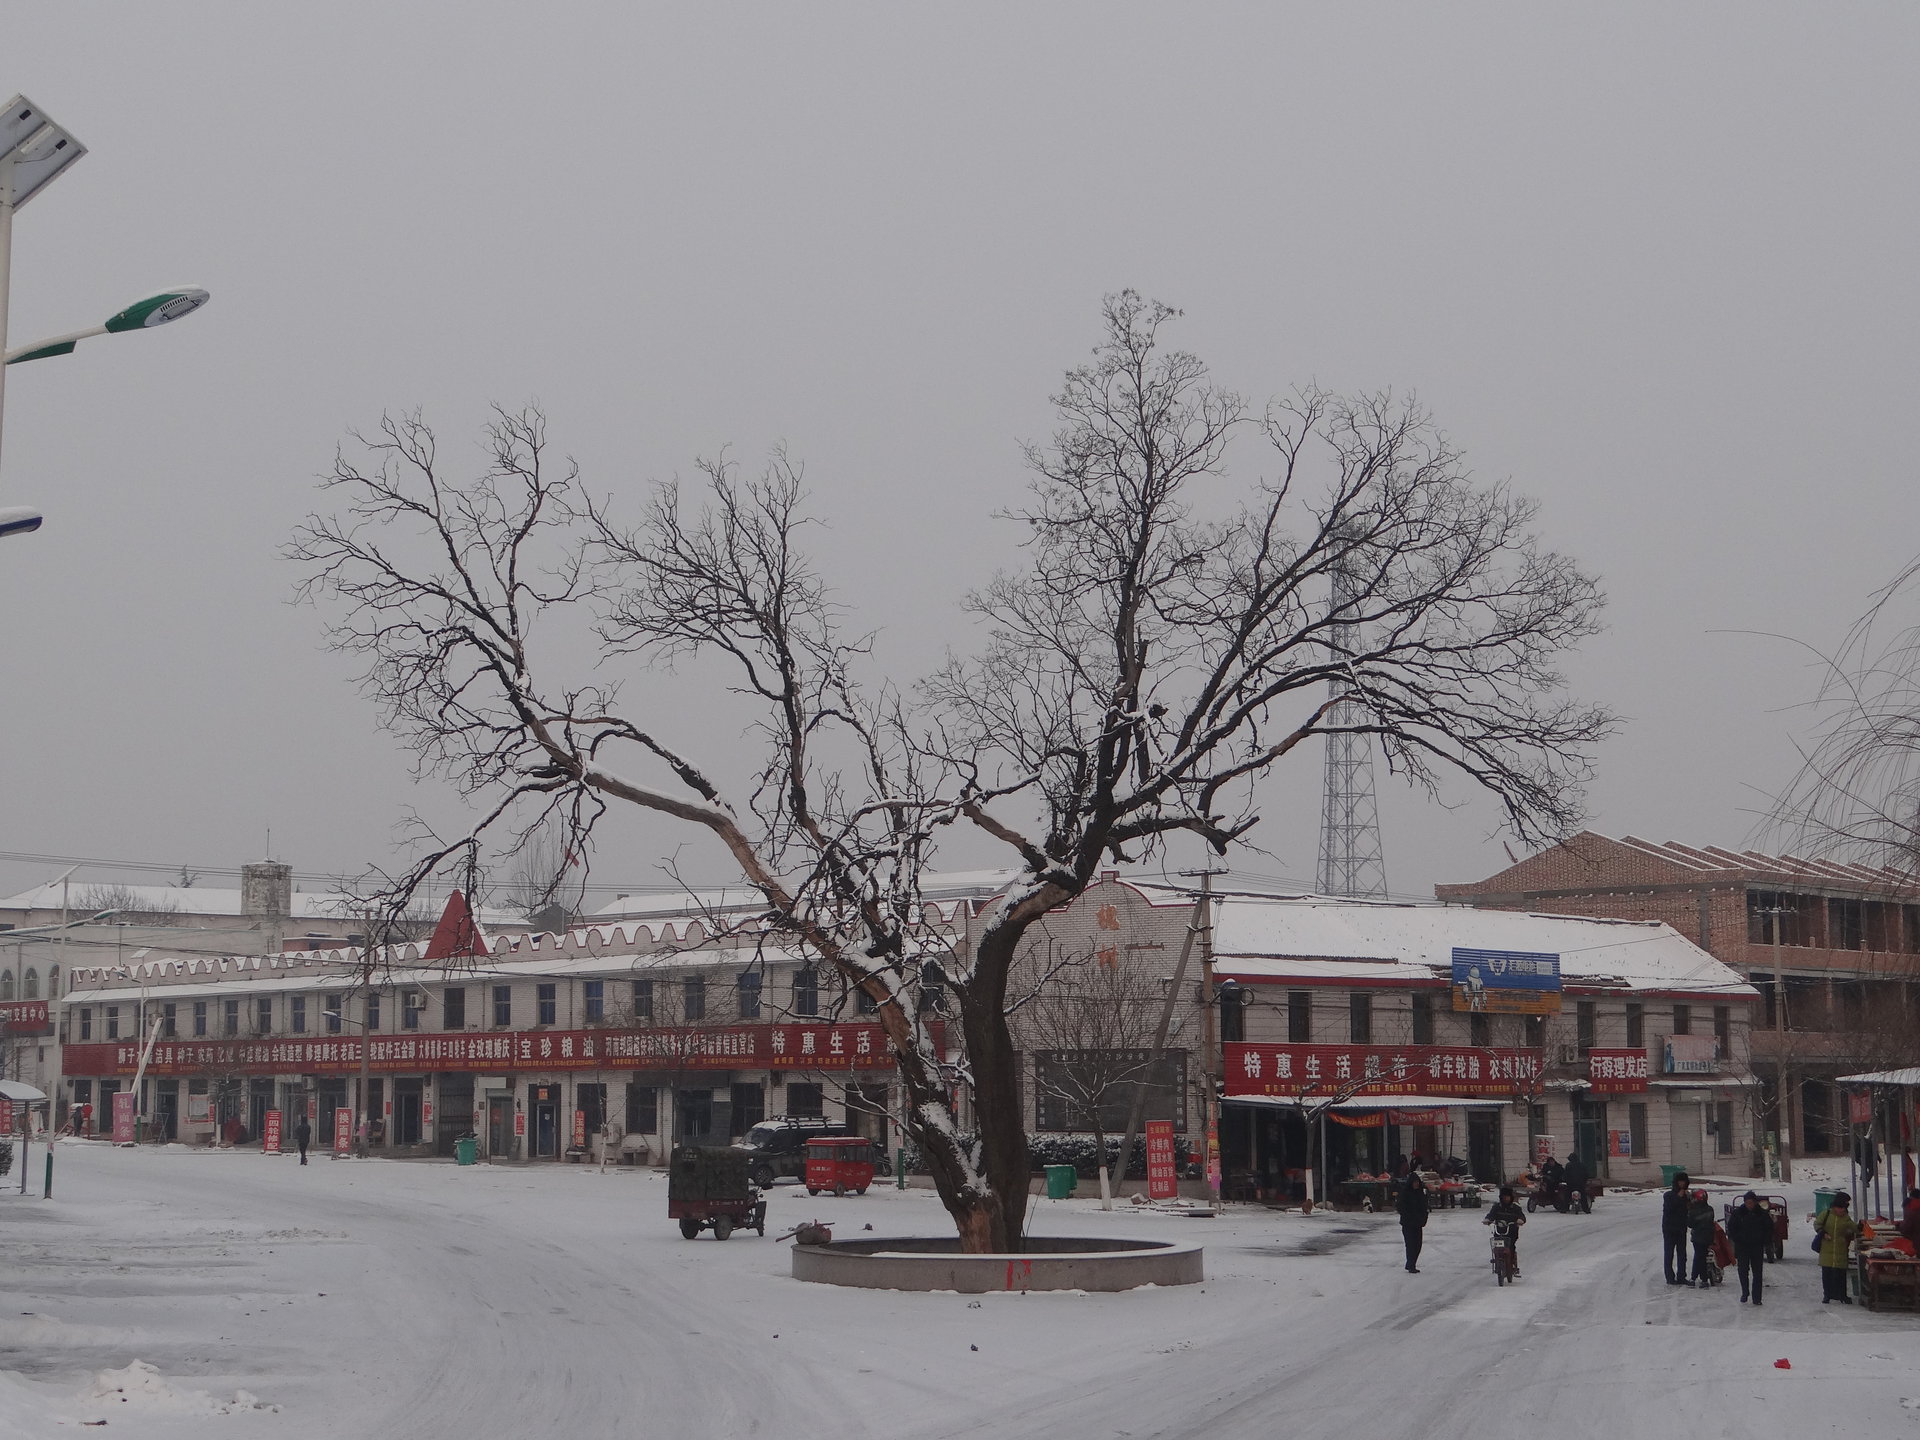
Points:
(1142, 671)
(129, 905)
(1090, 1030)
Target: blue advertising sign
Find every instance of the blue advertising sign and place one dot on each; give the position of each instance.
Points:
(1523, 982)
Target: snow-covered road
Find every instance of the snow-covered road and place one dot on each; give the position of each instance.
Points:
(419, 1300)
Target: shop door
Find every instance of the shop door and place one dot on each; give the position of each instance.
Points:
(452, 1112)
(259, 1101)
(1483, 1146)
(1590, 1135)
(693, 1117)
(1688, 1148)
(500, 1144)
(166, 1110)
(543, 1107)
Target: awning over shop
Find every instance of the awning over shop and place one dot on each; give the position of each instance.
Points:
(1909, 1077)
(1370, 1102)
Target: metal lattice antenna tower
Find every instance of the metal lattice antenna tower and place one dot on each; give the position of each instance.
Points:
(1351, 860)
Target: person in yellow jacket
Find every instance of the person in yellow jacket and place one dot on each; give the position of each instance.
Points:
(1836, 1230)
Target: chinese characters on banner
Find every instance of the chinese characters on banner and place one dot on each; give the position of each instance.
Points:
(1617, 1072)
(1378, 1070)
(123, 1117)
(426, 1111)
(1543, 1148)
(6, 1116)
(579, 1129)
(520, 1123)
(1163, 1176)
(23, 1017)
(342, 1131)
(1860, 1107)
(851, 1046)
(270, 1132)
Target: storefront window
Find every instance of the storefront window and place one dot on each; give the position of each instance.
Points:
(1360, 1018)
(332, 1006)
(1299, 1017)
(169, 1025)
(1636, 1025)
(297, 1015)
(113, 1022)
(643, 1000)
(546, 1004)
(453, 1008)
(694, 992)
(594, 998)
(1422, 1018)
(86, 1022)
(263, 1017)
(503, 1005)
(643, 1109)
(806, 1100)
(230, 1017)
(806, 991)
(749, 997)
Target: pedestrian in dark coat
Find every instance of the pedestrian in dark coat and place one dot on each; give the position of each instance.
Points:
(1673, 1230)
(1750, 1228)
(1576, 1173)
(1414, 1208)
(302, 1133)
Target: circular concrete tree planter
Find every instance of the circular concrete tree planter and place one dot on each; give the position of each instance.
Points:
(1054, 1262)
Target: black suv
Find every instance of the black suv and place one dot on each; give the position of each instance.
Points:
(779, 1146)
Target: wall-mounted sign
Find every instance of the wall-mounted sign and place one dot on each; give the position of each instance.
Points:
(342, 1130)
(1506, 982)
(1691, 1055)
(270, 1132)
(1617, 1072)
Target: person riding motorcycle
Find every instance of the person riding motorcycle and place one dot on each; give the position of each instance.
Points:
(1506, 1212)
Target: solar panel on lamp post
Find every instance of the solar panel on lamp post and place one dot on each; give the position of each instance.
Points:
(33, 151)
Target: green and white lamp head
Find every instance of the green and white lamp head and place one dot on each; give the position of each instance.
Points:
(161, 309)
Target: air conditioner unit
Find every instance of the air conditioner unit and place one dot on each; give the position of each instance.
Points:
(1568, 1054)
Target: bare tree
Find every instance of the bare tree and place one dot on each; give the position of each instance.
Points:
(1090, 1028)
(1141, 672)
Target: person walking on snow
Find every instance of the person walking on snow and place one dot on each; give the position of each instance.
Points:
(1414, 1208)
(1750, 1228)
(1836, 1231)
(1673, 1230)
(302, 1133)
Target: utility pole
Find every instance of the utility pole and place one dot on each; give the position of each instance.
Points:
(1204, 913)
(1782, 1076)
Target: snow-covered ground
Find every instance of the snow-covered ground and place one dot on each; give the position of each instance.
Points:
(175, 1293)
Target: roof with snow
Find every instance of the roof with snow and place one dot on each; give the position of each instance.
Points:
(1271, 938)
(640, 905)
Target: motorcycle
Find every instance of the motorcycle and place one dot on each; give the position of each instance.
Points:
(1506, 1259)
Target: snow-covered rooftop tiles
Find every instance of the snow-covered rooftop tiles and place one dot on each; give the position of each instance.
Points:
(1261, 937)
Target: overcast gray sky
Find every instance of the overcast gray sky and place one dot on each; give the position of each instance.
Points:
(1654, 264)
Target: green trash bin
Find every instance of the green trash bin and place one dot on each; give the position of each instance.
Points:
(466, 1150)
(1061, 1181)
(1667, 1174)
(1822, 1201)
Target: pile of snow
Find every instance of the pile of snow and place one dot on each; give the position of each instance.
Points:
(145, 1391)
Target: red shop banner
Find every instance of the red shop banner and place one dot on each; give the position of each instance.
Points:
(721, 1047)
(24, 1017)
(1378, 1069)
(1617, 1072)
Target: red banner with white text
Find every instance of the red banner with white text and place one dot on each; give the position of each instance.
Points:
(721, 1047)
(1360, 1070)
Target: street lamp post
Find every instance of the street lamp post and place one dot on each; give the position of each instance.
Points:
(33, 150)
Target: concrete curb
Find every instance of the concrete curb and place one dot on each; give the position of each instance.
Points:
(1055, 1263)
